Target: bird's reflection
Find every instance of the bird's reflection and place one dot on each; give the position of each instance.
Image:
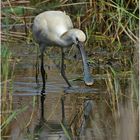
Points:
(42, 99)
(42, 119)
(45, 129)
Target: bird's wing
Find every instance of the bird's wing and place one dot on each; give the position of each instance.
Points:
(51, 24)
(57, 22)
(69, 22)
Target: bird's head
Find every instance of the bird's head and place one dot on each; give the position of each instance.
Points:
(78, 36)
(72, 36)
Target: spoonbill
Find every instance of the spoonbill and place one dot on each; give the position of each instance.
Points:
(55, 28)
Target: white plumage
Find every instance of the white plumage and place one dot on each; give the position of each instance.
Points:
(56, 28)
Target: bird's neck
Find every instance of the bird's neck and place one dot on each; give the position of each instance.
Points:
(66, 39)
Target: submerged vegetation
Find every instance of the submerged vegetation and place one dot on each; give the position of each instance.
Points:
(112, 29)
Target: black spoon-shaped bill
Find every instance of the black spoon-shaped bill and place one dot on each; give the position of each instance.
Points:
(87, 76)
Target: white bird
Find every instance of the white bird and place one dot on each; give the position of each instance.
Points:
(55, 28)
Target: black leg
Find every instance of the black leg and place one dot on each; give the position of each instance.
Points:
(37, 71)
(63, 109)
(43, 72)
(62, 68)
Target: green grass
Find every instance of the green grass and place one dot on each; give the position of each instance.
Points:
(6, 79)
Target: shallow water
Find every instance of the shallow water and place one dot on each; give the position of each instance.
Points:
(42, 114)
(80, 112)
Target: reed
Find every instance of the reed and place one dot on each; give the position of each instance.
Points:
(6, 92)
(7, 76)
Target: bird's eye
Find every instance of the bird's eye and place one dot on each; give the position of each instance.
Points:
(77, 40)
